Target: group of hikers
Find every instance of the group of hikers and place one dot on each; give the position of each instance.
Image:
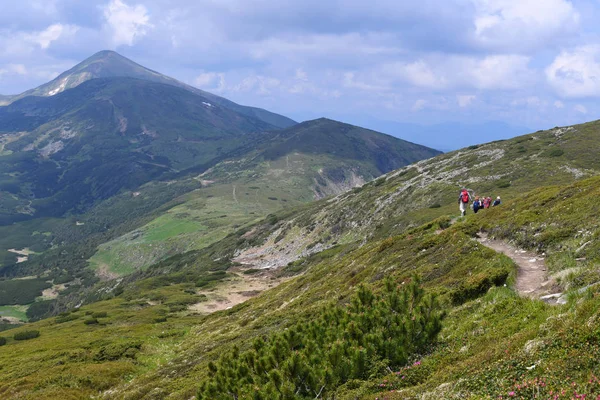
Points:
(464, 198)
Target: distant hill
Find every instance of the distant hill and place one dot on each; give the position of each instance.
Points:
(109, 64)
(87, 143)
(91, 157)
(275, 170)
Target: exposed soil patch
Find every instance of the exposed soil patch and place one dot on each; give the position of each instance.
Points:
(23, 255)
(52, 293)
(241, 288)
(103, 272)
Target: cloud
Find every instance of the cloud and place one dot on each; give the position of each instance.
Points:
(580, 109)
(44, 38)
(419, 105)
(576, 73)
(559, 104)
(523, 24)
(13, 69)
(126, 23)
(465, 100)
(451, 72)
(211, 81)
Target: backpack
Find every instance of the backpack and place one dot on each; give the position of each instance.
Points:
(465, 196)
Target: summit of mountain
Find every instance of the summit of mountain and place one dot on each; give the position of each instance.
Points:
(110, 64)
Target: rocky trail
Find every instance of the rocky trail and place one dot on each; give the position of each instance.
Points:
(532, 277)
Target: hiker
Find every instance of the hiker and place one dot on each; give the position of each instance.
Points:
(477, 204)
(487, 201)
(463, 201)
(496, 202)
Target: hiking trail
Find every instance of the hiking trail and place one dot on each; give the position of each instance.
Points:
(532, 278)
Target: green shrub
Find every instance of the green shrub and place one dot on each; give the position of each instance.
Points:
(2, 341)
(251, 271)
(555, 153)
(159, 320)
(477, 285)
(99, 314)
(435, 205)
(116, 351)
(66, 318)
(90, 321)
(26, 335)
(503, 184)
(339, 345)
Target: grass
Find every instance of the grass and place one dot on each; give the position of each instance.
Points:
(491, 337)
(211, 213)
(18, 312)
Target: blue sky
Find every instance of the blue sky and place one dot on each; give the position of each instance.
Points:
(527, 63)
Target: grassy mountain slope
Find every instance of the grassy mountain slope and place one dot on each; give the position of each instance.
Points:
(65, 152)
(422, 191)
(286, 168)
(109, 64)
(488, 344)
(490, 340)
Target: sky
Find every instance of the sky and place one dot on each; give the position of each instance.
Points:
(528, 64)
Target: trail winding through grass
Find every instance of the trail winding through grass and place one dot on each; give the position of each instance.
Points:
(531, 275)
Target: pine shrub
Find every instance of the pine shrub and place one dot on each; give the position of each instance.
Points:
(311, 360)
(26, 335)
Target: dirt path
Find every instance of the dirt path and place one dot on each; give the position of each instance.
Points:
(532, 272)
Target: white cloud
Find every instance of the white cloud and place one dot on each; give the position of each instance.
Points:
(51, 34)
(497, 72)
(576, 73)
(559, 104)
(419, 105)
(214, 81)
(261, 85)
(126, 23)
(523, 24)
(444, 72)
(420, 74)
(16, 69)
(465, 100)
(531, 101)
(580, 109)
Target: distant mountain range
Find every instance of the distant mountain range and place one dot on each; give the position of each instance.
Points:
(109, 126)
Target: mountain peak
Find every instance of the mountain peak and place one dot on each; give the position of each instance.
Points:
(110, 64)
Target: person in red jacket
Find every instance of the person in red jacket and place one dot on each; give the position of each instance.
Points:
(463, 201)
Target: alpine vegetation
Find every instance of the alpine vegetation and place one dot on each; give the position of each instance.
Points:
(370, 336)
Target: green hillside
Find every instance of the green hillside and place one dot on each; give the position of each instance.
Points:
(117, 173)
(148, 335)
(312, 160)
(153, 333)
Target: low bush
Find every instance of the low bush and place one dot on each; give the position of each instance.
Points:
(99, 314)
(311, 360)
(66, 318)
(2, 341)
(26, 335)
(90, 321)
(116, 351)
